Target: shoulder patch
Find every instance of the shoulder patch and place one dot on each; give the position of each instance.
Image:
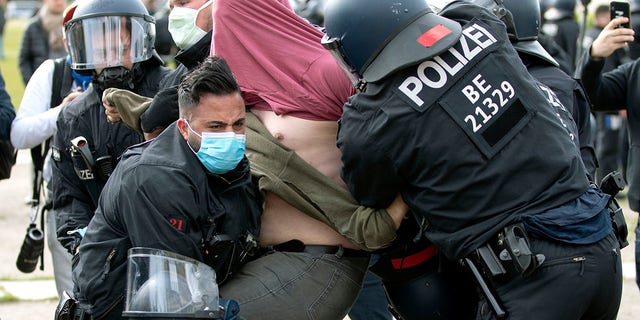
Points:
(432, 78)
(490, 104)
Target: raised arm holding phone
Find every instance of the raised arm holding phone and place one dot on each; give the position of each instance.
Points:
(617, 87)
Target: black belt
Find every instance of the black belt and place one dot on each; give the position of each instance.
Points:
(508, 254)
(298, 246)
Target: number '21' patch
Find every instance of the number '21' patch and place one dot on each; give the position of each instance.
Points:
(179, 223)
(487, 105)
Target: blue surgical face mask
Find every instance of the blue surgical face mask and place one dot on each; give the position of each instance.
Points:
(220, 152)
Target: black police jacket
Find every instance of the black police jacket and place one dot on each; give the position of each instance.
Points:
(160, 196)
(77, 186)
(570, 102)
(617, 90)
(468, 138)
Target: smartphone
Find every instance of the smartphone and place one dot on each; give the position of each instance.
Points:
(620, 9)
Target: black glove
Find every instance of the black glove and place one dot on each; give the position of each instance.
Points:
(162, 111)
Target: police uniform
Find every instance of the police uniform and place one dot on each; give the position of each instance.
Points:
(77, 184)
(160, 196)
(568, 98)
(470, 140)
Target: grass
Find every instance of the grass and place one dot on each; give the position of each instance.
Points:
(9, 66)
(31, 278)
(6, 296)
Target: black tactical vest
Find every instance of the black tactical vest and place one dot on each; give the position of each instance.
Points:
(468, 137)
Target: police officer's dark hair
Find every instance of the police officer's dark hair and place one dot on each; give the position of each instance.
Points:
(213, 75)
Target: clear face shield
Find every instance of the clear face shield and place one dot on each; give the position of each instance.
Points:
(163, 284)
(100, 42)
(334, 45)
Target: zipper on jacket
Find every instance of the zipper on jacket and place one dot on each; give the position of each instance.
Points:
(107, 264)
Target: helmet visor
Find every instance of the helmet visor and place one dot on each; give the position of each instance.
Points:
(109, 41)
(162, 283)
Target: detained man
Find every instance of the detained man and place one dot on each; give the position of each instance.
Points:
(191, 185)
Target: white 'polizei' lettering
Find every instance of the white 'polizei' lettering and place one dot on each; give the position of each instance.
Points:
(436, 72)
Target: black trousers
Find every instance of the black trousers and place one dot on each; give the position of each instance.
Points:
(574, 282)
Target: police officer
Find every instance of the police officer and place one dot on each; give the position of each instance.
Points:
(559, 23)
(191, 25)
(448, 115)
(179, 192)
(522, 18)
(113, 41)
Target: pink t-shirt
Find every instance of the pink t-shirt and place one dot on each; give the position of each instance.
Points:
(278, 60)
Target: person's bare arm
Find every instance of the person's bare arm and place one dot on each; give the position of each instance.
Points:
(397, 210)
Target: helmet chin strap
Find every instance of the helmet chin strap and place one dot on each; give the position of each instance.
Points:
(500, 11)
(118, 77)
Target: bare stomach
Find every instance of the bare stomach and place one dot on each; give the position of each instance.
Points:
(315, 142)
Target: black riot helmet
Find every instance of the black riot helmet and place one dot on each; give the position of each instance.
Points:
(522, 19)
(371, 39)
(108, 38)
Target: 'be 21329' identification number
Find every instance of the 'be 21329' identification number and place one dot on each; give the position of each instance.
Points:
(491, 101)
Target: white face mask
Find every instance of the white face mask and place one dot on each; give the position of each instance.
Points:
(182, 25)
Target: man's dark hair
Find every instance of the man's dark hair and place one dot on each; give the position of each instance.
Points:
(213, 75)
